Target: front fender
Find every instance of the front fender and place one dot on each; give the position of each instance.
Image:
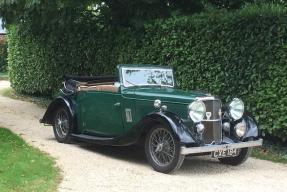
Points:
(179, 129)
(54, 105)
(252, 127)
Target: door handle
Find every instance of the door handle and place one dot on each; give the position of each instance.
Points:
(117, 104)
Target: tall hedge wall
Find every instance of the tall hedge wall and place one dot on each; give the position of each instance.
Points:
(3, 54)
(241, 53)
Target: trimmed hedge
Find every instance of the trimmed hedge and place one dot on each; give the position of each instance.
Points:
(38, 64)
(240, 53)
(3, 54)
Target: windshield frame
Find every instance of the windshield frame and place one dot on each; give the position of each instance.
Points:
(122, 69)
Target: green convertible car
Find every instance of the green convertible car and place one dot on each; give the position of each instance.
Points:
(142, 104)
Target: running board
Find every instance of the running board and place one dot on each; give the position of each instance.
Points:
(94, 139)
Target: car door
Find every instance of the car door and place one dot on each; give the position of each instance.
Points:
(100, 113)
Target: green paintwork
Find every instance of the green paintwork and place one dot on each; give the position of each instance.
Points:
(141, 101)
(166, 94)
(104, 113)
(99, 114)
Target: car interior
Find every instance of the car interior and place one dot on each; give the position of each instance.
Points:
(88, 83)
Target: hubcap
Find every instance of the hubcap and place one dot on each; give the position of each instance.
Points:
(62, 124)
(162, 147)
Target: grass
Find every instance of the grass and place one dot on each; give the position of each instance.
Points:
(4, 76)
(271, 152)
(11, 93)
(24, 168)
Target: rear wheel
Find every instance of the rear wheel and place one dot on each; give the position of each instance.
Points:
(163, 150)
(62, 125)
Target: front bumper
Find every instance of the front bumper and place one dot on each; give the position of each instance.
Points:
(211, 148)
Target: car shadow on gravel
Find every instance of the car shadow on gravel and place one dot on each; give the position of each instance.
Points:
(134, 153)
(192, 165)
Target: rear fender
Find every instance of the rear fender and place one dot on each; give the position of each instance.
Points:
(54, 105)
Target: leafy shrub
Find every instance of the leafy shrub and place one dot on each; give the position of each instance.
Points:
(240, 53)
(38, 64)
(3, 54)
(231, 55)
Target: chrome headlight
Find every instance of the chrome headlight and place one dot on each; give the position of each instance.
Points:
(236, 108)
(240, 129)
(196, 111)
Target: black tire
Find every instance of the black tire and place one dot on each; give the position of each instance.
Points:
(163, 153)
(62, 125)
(237, 160)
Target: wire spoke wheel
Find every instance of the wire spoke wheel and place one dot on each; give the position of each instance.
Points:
(62, 124)
(162, 147)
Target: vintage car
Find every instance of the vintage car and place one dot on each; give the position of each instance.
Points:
(143, 105)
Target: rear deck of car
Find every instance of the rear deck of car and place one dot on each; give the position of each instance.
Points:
(108, 87)
(100, 83)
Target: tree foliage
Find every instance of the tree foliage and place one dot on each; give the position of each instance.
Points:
(46, 14)
(42, 15)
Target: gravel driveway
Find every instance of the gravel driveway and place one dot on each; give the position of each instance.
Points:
(97, 168)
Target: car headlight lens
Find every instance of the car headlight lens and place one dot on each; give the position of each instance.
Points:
(236, 108)
(196, 111)
(240, 129)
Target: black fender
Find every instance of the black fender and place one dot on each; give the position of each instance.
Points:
(181, 132)
(53, 106)
(252, 127)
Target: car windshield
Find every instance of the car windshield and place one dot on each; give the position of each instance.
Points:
(133, 76)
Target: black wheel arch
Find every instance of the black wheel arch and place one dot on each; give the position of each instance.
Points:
(252, 127)
(169, 119)
(60, 101)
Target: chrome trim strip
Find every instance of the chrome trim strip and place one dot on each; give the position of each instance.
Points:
(211, 120)
(211, 148)
(205, 98)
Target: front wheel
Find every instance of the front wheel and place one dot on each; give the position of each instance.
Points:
(62, 125)
(163, 150)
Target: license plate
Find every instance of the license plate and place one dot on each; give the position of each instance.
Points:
(225, 153)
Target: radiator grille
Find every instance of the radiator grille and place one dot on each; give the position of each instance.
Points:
(212, 122)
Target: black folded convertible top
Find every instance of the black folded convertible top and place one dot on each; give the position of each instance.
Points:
(91, 78)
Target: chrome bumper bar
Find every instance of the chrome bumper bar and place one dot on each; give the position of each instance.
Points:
(211, 148)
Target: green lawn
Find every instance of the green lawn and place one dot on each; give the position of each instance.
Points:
(271, 151)
(275, 153)
(4, 76)
(24, 168)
